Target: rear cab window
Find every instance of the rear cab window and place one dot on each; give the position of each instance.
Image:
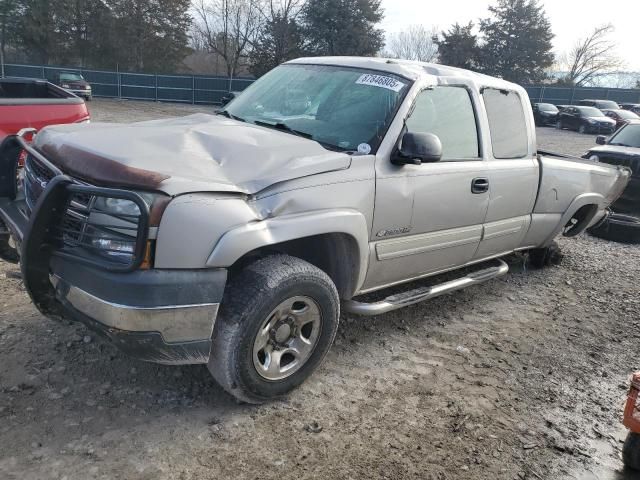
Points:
(507, 123)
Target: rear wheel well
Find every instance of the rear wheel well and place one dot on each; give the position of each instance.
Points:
(336, 254)
(580, 220)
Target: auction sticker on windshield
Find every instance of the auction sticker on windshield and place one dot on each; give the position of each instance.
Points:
(380, 81)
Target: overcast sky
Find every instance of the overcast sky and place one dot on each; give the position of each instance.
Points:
(570, 19)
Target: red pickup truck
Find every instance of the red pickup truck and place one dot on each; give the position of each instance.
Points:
(27, 103)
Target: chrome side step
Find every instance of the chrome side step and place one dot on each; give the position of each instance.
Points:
(411, 297)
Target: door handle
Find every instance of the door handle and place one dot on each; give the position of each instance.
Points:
(480, 185)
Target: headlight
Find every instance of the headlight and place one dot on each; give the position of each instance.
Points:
(87, 87)
(594, 158)
(65, 85)
(119, 206)
(590, 121)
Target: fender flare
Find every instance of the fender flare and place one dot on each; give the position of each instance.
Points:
(577, 203)
(236, 243)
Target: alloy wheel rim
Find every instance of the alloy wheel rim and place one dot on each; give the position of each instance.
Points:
(287, 338)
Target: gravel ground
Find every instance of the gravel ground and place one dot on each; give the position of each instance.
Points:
(520, 378)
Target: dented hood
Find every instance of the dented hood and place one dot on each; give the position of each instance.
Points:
(188, 154)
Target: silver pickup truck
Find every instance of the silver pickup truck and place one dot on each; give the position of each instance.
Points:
(234, 239)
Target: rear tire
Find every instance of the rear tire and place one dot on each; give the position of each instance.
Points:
(618, 228)
(559, 125)
(262, 347)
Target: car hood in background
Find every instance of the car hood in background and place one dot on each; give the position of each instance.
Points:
(601, 119)
(617, 152)
(195, 153)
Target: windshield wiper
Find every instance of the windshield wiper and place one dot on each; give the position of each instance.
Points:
(336, 148)
(286, 128)
(283, 127)
(619, 144)
(224, 113)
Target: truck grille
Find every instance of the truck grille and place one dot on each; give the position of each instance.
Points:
(88, 230)
(36, 177)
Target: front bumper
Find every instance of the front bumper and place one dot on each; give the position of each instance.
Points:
(79, 92)
(162, 316)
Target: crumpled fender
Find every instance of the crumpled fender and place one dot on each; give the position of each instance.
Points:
(239, 241)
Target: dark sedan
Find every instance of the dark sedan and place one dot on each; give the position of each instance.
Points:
(623, 148)
(621, 117)
(585, 120)
(545, 113)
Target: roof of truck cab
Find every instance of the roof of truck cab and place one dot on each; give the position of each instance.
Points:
(410, 69)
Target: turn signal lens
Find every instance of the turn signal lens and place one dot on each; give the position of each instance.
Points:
(147, 262)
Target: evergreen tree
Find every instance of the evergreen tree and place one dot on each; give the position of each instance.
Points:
(40, 34)
(517, 41)
(458, 47)
(279, 40)
(149, 35)
(343, 27)
(11, 12)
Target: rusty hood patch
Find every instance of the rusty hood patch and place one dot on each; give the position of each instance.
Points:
(189, 154)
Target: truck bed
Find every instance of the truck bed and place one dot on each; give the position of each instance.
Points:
(34, 103)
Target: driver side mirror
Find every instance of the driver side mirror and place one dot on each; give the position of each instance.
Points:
(416, 148)
(601, 140)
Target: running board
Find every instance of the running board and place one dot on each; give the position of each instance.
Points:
(411, 297)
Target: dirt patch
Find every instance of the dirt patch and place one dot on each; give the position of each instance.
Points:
(521, 378)
(120, 111)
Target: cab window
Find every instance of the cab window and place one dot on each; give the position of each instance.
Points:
(507, 124)
(448, 113)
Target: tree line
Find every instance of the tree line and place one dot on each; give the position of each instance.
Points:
(136, 35)
(513, 41)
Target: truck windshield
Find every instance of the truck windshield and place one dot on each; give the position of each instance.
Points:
(342, 108)
(70, 77)
(629, 136)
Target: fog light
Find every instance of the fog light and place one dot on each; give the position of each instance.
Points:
(114, 247)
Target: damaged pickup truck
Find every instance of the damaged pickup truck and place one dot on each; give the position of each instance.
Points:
(233, 240)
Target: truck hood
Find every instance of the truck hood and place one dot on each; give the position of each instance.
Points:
(197, 153)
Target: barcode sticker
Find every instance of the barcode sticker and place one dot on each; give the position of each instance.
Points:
(380, 81)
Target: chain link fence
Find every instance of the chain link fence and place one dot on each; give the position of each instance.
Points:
(200, 89)
(195, 89)
(571, 96)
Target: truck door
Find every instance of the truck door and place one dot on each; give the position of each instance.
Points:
(513, 172)
(429, 217)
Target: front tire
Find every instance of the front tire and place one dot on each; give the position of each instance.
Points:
(582, 129)
(278, 319)
(631, 451)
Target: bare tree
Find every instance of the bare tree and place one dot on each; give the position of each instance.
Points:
(228, 28)
(415, 43)
(592, 57)
(288, 9)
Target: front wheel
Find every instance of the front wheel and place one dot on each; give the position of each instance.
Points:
(559, 125)
(277, 321)
(582, 129)
(631, 451)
